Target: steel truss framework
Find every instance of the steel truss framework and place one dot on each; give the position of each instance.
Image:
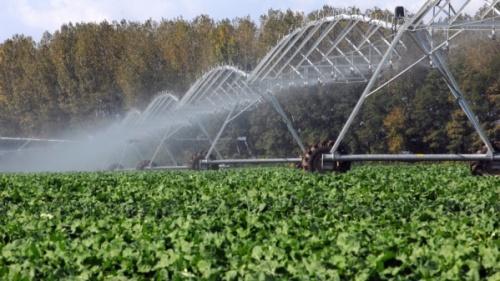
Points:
(338, 49)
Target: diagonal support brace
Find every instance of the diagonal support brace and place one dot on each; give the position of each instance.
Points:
(371, 83)
(221, 130)
(207, 135)
(423, 41)
(166, 136)
(276, 105)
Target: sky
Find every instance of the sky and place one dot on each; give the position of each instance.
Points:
(34, 17)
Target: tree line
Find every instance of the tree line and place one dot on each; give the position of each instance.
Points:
(84, 73)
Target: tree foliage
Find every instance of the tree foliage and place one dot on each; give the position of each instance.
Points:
(88, 72)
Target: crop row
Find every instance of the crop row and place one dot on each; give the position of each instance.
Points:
(424, 222)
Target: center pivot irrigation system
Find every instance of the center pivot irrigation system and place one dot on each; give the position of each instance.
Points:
(339, 49)
(344, 48)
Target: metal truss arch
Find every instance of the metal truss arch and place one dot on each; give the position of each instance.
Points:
(131, 117)
(161, 105)
(338, 49)
(216, 86)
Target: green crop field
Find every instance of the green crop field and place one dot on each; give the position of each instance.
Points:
(423, 222)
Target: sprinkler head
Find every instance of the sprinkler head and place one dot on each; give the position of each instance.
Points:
(334, 76)
(446, 46)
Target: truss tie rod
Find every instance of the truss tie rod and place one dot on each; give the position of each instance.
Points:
(37, 140)
(246, 108)
(460, 10)
(334, 66)
(411, 66)
(313, 66)
(472, 26)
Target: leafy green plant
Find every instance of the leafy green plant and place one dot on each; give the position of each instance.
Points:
(423, 222)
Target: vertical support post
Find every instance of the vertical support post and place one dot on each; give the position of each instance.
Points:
(276, 105)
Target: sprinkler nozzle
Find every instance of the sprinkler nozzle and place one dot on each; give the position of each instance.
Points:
(493, 35)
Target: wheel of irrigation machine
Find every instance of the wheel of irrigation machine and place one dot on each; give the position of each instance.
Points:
(311, 160)
(486, 168)
(196, 161)
(145, 164)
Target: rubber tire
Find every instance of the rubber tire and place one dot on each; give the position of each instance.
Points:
(311, 161)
